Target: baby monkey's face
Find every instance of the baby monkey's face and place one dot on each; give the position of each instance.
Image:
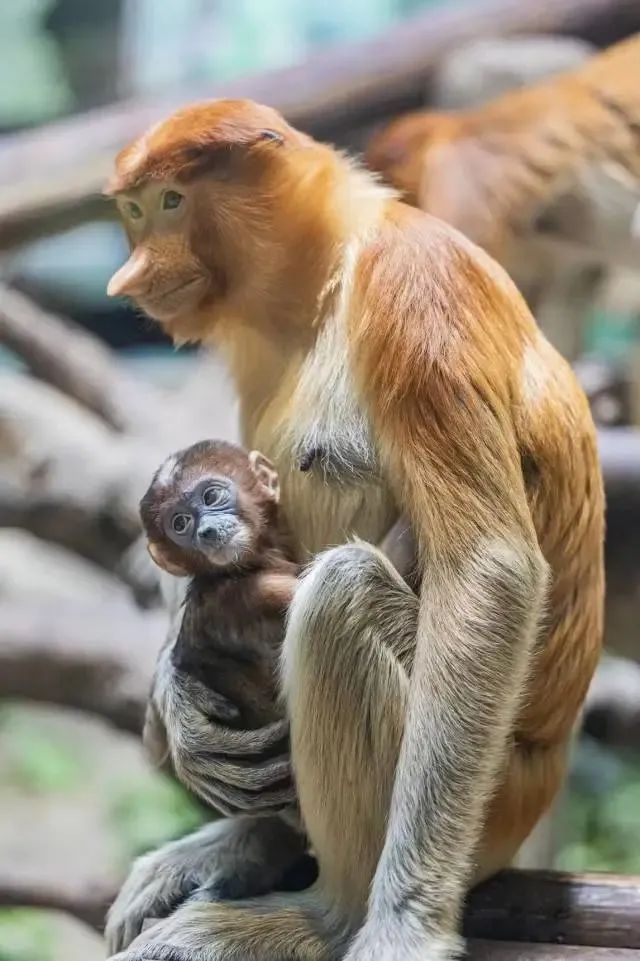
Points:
(205, 519)
(207, 508)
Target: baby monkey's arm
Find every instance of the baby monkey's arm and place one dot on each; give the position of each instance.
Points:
(275, 591)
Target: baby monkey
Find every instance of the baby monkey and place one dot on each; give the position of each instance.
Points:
(211, 514)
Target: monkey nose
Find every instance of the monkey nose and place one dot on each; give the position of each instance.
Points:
(129, 279)
(208, 532)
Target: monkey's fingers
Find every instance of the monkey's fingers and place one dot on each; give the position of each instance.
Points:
(248, 775)
(237, 743)
(230, 800)
(220, 708)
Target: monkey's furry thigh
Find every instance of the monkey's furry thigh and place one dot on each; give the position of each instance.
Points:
(346, 657)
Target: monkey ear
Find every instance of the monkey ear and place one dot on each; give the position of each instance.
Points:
(272, 135)
(266, 473)
(219, 157)
(158, 557)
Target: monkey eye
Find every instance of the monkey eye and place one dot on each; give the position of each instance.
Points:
(134, 210)
(181, 523)
(214, 497)
(171, 199)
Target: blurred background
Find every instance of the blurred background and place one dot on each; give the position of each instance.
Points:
(92, 398)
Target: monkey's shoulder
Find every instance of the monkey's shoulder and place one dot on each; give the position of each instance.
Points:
(427, 301)
(417, 265)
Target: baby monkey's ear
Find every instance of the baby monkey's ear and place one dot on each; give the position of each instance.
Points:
(158, 557)
(266, 473)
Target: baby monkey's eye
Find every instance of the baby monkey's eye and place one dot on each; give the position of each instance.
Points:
(171, 199)
(181, 523)
(134, 210)
(214, 496)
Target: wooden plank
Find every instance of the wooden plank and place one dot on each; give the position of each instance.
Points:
(50, 177)
(513, 951)
(598, 910)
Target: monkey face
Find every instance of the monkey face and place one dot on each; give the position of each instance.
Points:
(208, 507)
(164, 274)
(206, 520)
(200, 197)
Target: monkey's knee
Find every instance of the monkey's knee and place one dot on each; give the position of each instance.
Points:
(346, 687)
(351, 599)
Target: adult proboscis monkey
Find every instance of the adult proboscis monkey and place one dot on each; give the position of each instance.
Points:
(395, 362)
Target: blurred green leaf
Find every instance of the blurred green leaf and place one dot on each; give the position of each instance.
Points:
(148, 813)
(602, 816)
(25, 935)
(37, 760)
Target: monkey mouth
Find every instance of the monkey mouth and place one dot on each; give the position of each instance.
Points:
(166, 304)
(224, 551)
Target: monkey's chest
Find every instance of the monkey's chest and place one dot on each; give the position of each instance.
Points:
(322, 514)
(328, 502)
(318, 435)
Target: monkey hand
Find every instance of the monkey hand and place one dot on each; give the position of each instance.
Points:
(402, 939)
(231, 858)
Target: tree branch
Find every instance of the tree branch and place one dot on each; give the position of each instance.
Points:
(330, 94)
(60, 353)
(94, 658)
(88, 902)
(526, 913)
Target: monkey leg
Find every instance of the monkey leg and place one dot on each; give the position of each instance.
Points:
(346, 663)
(347, 657)
(230, 858)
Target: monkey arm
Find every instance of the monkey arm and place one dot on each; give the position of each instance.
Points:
(445, 434)
(232, 770)
(275, 591)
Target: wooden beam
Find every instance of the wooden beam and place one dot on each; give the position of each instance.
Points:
(510, 951)
(88, 902)
(50, 177)
(598, 910)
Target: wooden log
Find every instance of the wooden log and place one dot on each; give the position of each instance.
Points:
(88, 903)
(50, 178)
(62, 354)
(598, 910)
(511, 951)
(91, 657)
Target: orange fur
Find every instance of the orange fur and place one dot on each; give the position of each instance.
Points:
(348, 316)
(495, 170)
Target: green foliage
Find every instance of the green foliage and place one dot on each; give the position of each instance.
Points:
(610, 336)
(33, 87)
(37, 761)
(24, 936)
(148, 812)
(603, 813)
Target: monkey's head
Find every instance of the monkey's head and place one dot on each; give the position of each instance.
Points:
(209, 205)
(210, 507)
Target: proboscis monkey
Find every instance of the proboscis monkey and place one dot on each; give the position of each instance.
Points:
(544, 178)
(396, 363)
